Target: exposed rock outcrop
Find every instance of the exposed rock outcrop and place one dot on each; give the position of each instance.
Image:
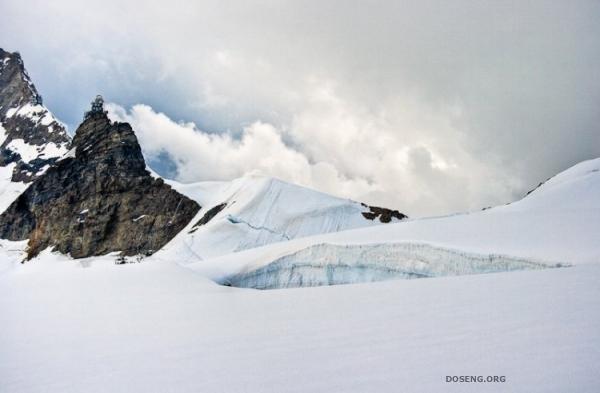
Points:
(98, 198)
(385, 215)
(30, 136)
(209, 215)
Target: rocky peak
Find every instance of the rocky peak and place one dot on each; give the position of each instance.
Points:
(98, 198)
(30, 137)
(18, 89)
(113, 146)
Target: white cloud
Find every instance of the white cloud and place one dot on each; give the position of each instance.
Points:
(426, 106)
(335, 147)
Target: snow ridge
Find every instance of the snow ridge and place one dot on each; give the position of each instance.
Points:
(258, 211)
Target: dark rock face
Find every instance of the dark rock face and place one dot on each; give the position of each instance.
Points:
(385, 215)
(26, 123)
(97, 199)
(209, 215)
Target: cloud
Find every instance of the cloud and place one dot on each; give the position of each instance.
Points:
(200, 155)
(427, 106)
(334, 147)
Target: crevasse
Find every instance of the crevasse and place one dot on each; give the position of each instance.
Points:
(329, 264)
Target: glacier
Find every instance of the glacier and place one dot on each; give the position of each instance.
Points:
(91, 325)
(331, 264)
(257, 211)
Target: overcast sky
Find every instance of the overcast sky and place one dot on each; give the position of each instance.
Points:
(427, 107)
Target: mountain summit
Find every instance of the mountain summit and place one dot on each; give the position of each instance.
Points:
(30, 137)
(98, 198)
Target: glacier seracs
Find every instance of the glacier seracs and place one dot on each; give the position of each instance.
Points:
(330, 264)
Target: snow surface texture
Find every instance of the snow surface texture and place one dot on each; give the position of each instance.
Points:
(92, 326)
(35, 112)
(9, 190)
(327, 264)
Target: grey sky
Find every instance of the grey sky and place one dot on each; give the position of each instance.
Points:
(429, 107)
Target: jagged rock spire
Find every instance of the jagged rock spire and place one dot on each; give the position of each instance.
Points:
(97, 199)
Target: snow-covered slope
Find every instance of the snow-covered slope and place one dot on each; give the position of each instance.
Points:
(576, 188)
(9, 190)
(90, 325)
(255, 210)
(557, 224)
(73, 326)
